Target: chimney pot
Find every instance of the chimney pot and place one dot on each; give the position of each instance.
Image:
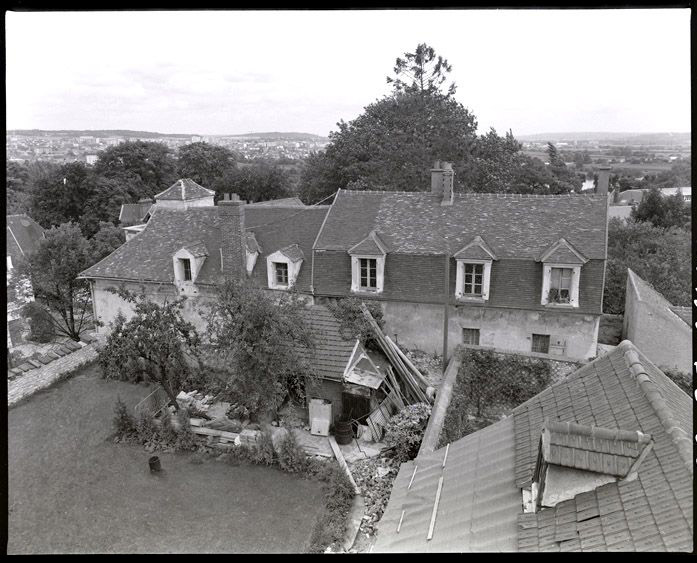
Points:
(442, 176)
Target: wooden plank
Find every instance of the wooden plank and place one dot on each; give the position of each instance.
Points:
(342, 462)
(211, 432)
(435, 509)
(419, 377)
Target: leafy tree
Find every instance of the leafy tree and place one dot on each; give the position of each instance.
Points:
(60, 196)
(41, 324)
(204, 163)
(144, 168)
(107, 239)
(53, 269)
(495, 164)
(392, 145)
(664, 212)
(421, 72)
(257, 182)
(659, 256)
(156, 345)
(103, 204)
(263, 341)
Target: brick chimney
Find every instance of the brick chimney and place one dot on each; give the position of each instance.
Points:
(231, 212)
(442, 176)
(603, 179)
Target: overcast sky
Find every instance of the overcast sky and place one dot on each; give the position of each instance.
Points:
(236, 72)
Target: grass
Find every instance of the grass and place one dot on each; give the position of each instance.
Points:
(72, 491)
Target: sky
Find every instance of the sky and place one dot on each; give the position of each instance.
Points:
(213, 72)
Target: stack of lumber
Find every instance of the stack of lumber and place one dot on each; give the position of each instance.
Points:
(413, 384)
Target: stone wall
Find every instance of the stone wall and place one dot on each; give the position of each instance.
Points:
(29, 382)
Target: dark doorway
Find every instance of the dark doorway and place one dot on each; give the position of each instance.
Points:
(355, 407)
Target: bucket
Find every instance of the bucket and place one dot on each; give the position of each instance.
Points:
(343, 432)
(154, 463)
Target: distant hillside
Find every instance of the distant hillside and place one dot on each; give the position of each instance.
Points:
(642, 138)
(271, 136)
(93, 133)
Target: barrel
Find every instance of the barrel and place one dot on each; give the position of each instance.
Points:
(343, 432)
(154, 463)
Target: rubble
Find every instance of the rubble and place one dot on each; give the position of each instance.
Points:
(374, 476)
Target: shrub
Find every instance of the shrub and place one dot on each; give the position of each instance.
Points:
(351, 319)
(681, 379)
(168, 434)
(264, 454)
(124, 423)
(186, 440)
(330, 526)
(405, 430)
(291, 457)
(145, 427)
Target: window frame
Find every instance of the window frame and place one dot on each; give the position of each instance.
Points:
(532, 344)
(293, 270)
(281, 266)
(356, 274)
(575, 282)
(472, 331)
(460, 279)
(187, 274)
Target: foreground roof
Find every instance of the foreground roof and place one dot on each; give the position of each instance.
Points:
(513, 225)
(134, 213)
(23, 236)
(621, 391)
(185, 190)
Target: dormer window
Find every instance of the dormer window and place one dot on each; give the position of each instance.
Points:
(252, 250)
(281, 271)
(368, 265)
(561, 274)
(473, 272)
(186, 268)
(283, 267)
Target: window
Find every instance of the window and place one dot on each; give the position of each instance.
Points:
(369, 273)
(540, 343)
(281, 273)
(560, 285)
(470, 336)
(186, 267)
(474, 275)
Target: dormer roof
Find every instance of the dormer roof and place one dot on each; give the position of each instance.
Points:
(251, 243)
(591, 448)
(562, 252)
(196, 249)
(370, 245)
(184, 189)
(476, 249)
(293, 253)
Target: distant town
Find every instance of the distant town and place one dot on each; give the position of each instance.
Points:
(84, 146)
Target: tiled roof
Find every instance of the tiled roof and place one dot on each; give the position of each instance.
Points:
(23, 236)
(480, 506)
(133, 213)
(293, 252)
(184, 190)
(333, 349)
(252, 244)
(148, 256)
(479, 501)
(621, 390)
(197, 249)
(514, 225)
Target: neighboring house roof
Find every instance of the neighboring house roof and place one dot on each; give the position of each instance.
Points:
(148, 256)
(514, 225)
(184, 190)
(481, 499)
(23, 236)
(283, 202)
(134, 213)
(629, 196)
(333, 348)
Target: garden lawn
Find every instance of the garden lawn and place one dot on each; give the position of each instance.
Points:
(71, 490)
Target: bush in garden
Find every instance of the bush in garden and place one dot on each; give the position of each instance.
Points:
(405, 430)
(291, 457)
(124, 423)
(145, 426)
(41, 325)
(264, 454)
(168, 434)
(186, 440)
(330, 526)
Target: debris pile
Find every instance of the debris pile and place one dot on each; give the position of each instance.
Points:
(374, 476)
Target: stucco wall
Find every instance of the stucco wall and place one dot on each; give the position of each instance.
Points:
(659, 333)
(421, 326)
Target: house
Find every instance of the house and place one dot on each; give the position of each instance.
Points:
(601, 461)
(23, 236)
(662, 330)
(524, 272)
